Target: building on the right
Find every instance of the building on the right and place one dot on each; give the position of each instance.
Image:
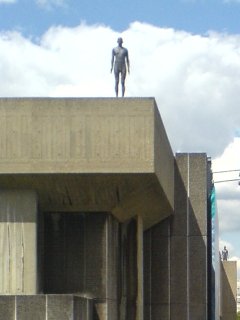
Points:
(238, 296)
(222, 273)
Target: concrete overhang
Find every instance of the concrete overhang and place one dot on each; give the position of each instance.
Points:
(89, 154)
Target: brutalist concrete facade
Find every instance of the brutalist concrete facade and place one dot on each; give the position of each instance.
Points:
(99, 220)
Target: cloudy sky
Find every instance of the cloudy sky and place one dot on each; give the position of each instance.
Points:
(185, 53)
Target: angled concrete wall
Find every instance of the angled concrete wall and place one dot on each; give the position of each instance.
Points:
(228, 290)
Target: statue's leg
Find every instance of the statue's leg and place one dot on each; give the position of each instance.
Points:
(123, 88)
(116, 83)
(123, 76)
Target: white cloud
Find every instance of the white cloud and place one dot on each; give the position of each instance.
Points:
(195, 79)
(8, 1)
(228, 193)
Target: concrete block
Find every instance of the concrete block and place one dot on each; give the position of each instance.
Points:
(60, 307)
(7, 307)
(31, 307)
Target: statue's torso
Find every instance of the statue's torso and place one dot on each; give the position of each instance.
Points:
(120, 54)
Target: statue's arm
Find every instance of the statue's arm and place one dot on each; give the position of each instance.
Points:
(128, 62)
(112, 61)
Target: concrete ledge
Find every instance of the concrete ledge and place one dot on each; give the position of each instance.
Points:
(89, 155)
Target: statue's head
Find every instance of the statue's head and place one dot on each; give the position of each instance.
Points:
(120, 41)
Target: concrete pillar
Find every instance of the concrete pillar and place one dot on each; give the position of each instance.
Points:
(197, 235)
(128, 286)
(189, 239)
(112, 267)
(140, 300)
(179, 242)
(18, 242)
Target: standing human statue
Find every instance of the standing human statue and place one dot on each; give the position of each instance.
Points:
(119, 61)
(225, 254)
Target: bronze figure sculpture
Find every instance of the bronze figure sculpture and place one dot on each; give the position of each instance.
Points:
(119, 61)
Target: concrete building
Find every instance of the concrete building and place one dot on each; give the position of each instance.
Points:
(99, 220)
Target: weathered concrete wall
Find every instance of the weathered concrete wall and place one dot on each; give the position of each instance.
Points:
(18, 242)
(228, 290)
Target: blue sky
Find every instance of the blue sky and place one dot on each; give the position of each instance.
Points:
(195, 16)
(192, 70)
